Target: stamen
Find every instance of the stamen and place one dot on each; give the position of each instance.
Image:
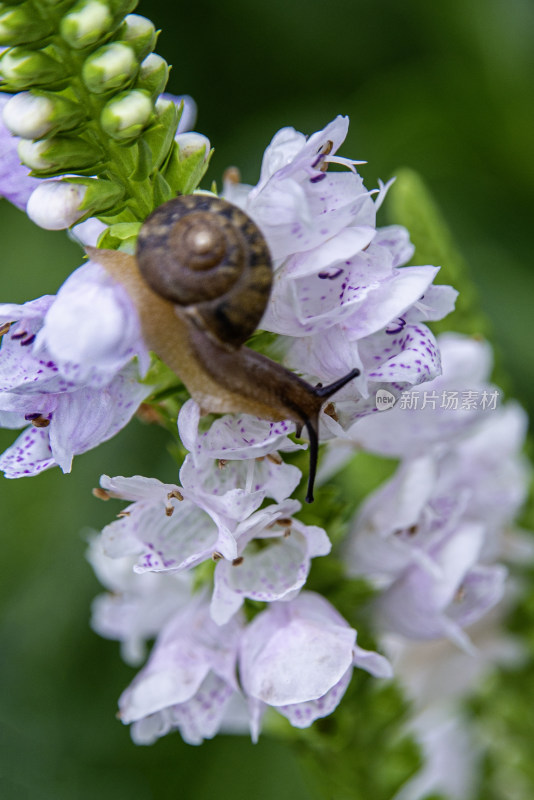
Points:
(330, 276)
(330, 411)
(237, 561)
(38, 421)
(5, 328)
(147, 413)
(29, 340)
(216, 556)
(232, 175)
(101, 494)
(401, 322)
(275, 458)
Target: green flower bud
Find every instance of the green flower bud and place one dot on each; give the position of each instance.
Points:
(139, 33)
(125, 116)
(86, 23)
(120, 8)
(190, 143)
(153, 75)
(33, 115)
(100, 195)
(58, 154)
(187, 163)
(22, 69)
(110, 68)
(20, 25)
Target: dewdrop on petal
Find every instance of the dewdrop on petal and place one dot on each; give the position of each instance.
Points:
(56, 205)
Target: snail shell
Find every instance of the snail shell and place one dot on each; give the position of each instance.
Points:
(200, 282)
(204, 253)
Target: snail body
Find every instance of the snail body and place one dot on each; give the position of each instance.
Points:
(200, 281)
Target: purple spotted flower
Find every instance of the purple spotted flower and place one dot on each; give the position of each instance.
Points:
(423, 604)
(66, 368)
(135, 607)
(188, 680)
(341, 296)
(298, 658)
(415, 427)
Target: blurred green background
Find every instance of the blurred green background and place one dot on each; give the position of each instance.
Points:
(444, 88)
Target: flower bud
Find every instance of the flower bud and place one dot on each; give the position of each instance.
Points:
(20, 25)
(55, 205)
(191, 143)
(58, 154)
(28, 116)
(33, 115)
(22, 69)
(188, 162)
(120, 8)
(86, 23)
(140, 33)
(126, 114)
(111, 67)
(153, 74)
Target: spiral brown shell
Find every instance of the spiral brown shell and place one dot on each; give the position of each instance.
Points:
(204, 253)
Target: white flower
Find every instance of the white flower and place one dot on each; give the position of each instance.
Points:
(298, 657)
(136, 606)
(92, 330)
(450, 755)
(188, 680)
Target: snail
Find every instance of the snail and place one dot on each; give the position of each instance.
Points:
(200, 280)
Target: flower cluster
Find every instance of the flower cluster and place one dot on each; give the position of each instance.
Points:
(431, 539)
(341, 297)
(214, 567)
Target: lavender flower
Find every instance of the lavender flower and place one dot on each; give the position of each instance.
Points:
(66, 367)
(188, 680)
(298, 658)
(340, 297)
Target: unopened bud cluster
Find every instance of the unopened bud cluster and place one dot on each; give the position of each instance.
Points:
(85, 82)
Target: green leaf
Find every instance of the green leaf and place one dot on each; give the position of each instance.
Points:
(116, 236)
(160, 136)
(411, 204)
(162, 190)
(144, 163)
